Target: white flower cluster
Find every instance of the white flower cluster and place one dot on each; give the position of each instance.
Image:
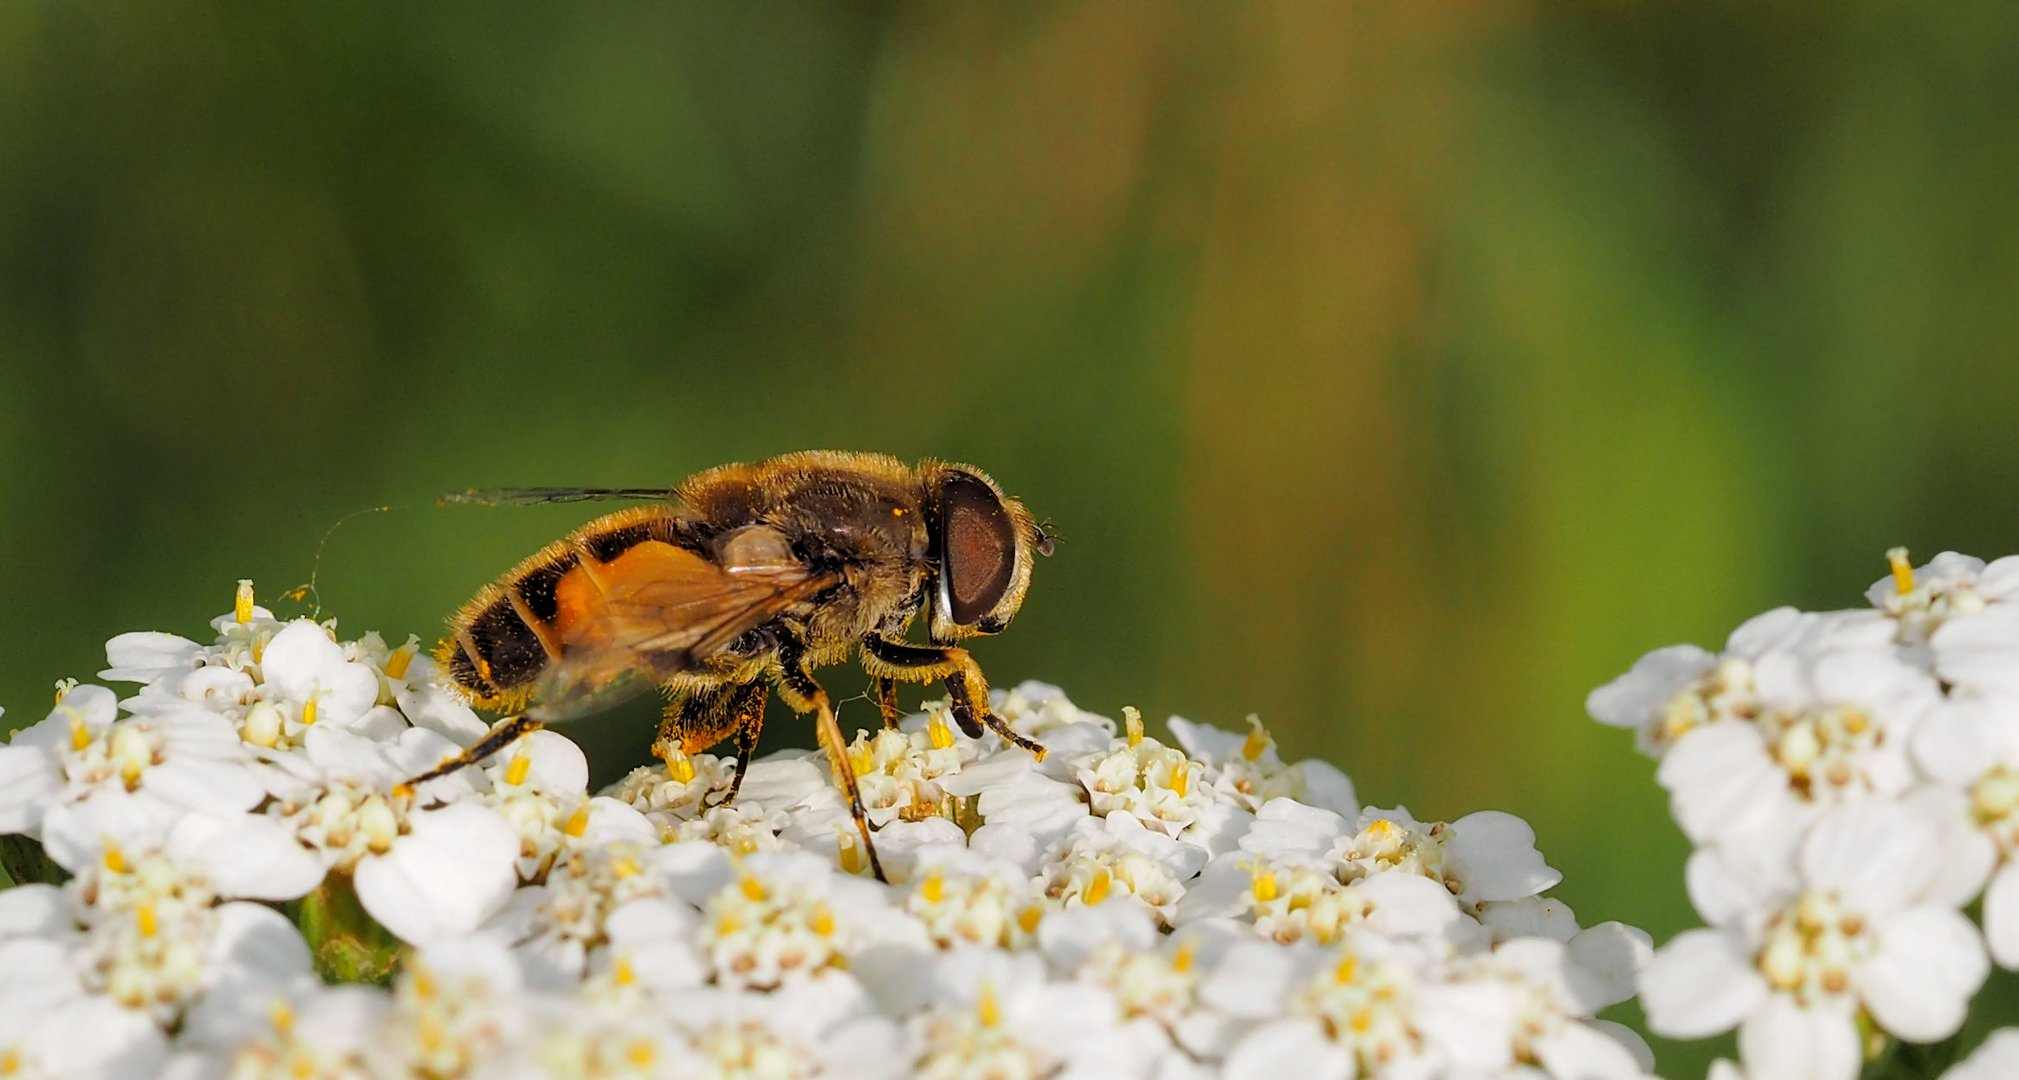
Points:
(249, 895)
(1850, 781)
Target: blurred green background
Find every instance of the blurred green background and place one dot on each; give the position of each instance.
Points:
(1396, 372)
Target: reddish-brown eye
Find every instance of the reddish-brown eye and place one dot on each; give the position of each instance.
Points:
(978, 548)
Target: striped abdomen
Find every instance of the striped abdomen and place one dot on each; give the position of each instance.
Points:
(500, 643)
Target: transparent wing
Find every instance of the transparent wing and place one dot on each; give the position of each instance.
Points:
(533, 496)
(654, 612)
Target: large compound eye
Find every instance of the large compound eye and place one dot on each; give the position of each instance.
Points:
(978, 548)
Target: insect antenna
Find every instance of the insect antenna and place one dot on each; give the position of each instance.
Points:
(308, 591)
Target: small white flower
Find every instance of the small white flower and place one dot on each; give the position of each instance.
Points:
(1854, 936)
(1245, 769)
(1139, 776)
(965, 898)
(996, 1014)
(422, 873)
(192, 762)
(1117, 859)
(1821, 733)
(789, 916)
(1949, 587)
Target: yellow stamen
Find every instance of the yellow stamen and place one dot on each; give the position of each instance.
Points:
(430, 1035)
(1347, 969)
(145, 919)
(423, 984)
(823, 921)
(933, 889)
(680, 767)
(80, 736)
(241, 602)
(115, 859)
(987, 1012)
(1186, 956)
(1028, 918)
(520, 768)
(282, 1016)
(937, 730)
(1903, 571)
(727, 925)
(753, 889)
(1361, 1020)
(1381, 829)
(640, 1054)
(403, 790)
(10, 1062)
(626, 867)
(308, 711)
(63, 688)
(130, 774)
(622, 973)
(396, 664)
(1258, 739)
(1132, 722)
(578, 822)
(1181, 779)
(860, 759)
(1097, 888)
(1263, 885)
(849, 852)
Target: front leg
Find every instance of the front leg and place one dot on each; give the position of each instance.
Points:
(800, 690)
(888, 659)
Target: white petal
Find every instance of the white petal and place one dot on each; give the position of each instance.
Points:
(1494, 854)
(33, 910)
(1918, 986)
(99, 1039)
(557, 764)
(1585, 1052)
(141, 655)
(1876, 854)
(1722, 781)
(301, 659)
(2001, 915)
(1250, 980)
(1630, 701)
(254, 944)
(1701, 983)
(75, 834)
(450, 873)
(28, 778)
(1530, 916)
(204, 785)
(1787, 1042)
(1997, 1059)
(439, 710)
(1288, 1048)
(1602, 963)
(247, 856)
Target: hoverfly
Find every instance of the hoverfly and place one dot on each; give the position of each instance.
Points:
(745, 579)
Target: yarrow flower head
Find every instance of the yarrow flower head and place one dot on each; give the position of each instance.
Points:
(249, 888)
(1844, 777)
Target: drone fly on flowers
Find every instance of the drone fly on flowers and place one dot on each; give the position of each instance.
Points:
(744, 578)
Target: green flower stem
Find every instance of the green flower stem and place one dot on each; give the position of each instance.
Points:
(349, 947)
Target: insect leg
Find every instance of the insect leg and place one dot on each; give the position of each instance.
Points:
(886, 699)
(505, 734)
(748, 708)
(800, 690)
(964, 683)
